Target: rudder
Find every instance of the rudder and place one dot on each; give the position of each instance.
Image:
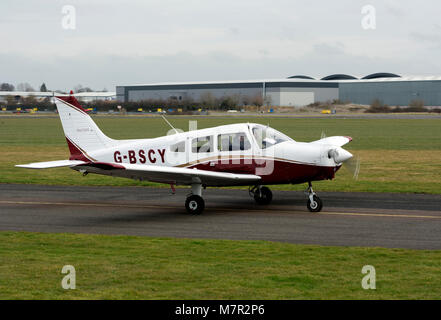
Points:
(82, 134)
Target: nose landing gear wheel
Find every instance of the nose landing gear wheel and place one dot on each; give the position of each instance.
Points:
(195, 205)
(315, 205)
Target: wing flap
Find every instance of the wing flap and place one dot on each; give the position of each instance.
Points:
(172, 175)
(51, 164)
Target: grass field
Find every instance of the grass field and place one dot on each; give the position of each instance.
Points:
(396, 155)
(119, 267)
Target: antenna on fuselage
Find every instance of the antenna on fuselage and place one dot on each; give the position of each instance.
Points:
(165, 119)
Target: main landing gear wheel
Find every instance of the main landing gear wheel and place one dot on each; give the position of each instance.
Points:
(314, 203)
(195, 205)
(262, 195)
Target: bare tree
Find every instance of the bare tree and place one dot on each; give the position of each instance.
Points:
(417, 104)
(257, 100)
(208, 100)
(79, 88)
(6, 87)
(29, 101)
(26, 87)
(246, 100)
(229, 102)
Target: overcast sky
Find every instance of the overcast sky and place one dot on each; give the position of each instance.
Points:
(127, 42)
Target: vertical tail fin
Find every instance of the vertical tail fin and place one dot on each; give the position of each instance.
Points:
(82, 134)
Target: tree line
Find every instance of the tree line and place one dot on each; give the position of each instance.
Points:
(207, 101)
(26, 87)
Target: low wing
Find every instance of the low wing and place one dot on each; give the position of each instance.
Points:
(51, 164)
(335, 141)
(169, 175)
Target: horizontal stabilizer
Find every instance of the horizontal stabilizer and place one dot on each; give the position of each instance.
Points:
(51, 164)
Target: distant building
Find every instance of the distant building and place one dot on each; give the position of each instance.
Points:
(397, 91)
(84, 96)
(281, 92)
(94, 96)
(297, 91)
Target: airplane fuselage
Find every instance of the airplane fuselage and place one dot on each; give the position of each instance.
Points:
(214, 149)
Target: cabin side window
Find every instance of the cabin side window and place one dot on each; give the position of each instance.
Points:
(233, 142)
(178, 147)
(202, 145)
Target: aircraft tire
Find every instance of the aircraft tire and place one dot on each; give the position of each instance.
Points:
(265, 197)
(317, 206)
(195, 205)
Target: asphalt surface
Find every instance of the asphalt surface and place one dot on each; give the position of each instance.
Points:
(348, 219)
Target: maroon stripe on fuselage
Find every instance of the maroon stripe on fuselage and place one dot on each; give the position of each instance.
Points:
(75, 153)
(273, 171)
(103, 166)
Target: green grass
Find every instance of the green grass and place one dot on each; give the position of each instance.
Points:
(122, 267)
(368, 134)
(396, 155)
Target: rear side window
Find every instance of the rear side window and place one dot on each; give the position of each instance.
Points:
(178, 147)
(233, 142)
(202, 145)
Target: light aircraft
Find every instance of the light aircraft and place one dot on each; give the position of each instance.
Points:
(243, 154)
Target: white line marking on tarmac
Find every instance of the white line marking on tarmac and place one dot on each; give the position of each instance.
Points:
(379, 215)
(85, 204)
(223, 209)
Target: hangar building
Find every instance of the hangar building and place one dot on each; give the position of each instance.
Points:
(297, 91)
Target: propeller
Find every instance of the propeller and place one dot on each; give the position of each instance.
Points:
(353, 166)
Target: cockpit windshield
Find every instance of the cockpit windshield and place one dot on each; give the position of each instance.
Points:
(267, 137)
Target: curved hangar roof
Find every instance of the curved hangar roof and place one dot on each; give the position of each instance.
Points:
(381, 75)
(301, 77)
(339, 77)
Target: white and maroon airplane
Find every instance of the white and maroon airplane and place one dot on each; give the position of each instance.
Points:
(232, 155)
